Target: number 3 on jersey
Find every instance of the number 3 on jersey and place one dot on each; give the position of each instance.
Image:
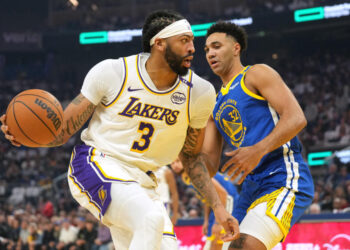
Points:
(147, 130)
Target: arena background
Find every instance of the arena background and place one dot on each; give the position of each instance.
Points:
(43, 45)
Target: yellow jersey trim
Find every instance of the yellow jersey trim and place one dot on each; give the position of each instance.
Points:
(247, 91)
(189, 98)
(284, 223)
(172, 234)
(122, 88)
(224, 90)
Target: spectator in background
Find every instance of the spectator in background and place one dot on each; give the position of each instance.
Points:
(68, 235)
(339, 199)
(344, 175)
(193, 214)
(14, 230)
(315, 208)
(347, 188)
(86, 236)
(49, 239)
(327, 197)
(48, 209)
(103, 239)
(4, 231)
(23, 234)
(333, 176)
(34, 237)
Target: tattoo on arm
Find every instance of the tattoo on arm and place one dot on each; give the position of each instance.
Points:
(191, 141)
(74, 122)
(195, 166)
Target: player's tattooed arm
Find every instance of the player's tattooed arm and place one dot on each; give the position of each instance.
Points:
(75, 116)
(195, 165)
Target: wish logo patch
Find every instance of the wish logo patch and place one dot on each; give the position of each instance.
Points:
(178, 98)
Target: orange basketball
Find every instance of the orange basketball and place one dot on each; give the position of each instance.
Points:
(34, 117)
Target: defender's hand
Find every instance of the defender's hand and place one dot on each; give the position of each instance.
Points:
(229, 223)
(205, 227)
(243, 160)
(8, 136)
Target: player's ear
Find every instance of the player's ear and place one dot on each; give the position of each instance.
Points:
(236, 49)
(160, 44)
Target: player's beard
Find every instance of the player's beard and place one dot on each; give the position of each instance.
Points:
(175, 61)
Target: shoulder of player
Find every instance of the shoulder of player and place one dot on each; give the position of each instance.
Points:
(201, 85)
(108, 68)
(259, 74)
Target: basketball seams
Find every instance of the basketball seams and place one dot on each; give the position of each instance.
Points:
(38, 118)
(14, 117)
(53, 104)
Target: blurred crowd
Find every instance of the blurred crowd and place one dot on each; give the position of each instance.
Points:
(41, 227)
(321, 85)
(92, 15)
(332, 191)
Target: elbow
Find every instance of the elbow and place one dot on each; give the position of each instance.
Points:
(305, 123)
(302, 122)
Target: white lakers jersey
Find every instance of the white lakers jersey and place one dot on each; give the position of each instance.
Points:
(134, 122)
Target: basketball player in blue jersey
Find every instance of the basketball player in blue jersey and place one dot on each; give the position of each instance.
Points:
(258, 116)
(145, 110)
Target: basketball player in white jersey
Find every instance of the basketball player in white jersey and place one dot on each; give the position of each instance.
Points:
(146, 110)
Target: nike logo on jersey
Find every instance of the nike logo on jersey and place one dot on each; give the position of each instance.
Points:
(234, 86)
(135, 107)
(131, 90)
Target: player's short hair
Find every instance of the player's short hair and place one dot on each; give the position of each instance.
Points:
(230, 29)
(154, 23)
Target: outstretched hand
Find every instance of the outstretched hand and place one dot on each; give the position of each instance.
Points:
(243, 160)
(8, 136)
(229, 223)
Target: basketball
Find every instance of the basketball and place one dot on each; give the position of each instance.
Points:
(34, 117)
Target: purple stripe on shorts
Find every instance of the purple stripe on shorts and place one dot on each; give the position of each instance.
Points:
(87, 179)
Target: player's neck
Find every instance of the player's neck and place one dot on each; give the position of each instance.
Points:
(160, 73)
(231, 72)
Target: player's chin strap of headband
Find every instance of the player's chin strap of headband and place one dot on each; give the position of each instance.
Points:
(176, 28)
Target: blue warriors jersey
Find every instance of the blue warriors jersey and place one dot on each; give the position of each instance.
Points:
(244, 118)
(282, 178)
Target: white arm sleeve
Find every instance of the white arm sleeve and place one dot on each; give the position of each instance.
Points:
(102, 81)
(202, 102)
